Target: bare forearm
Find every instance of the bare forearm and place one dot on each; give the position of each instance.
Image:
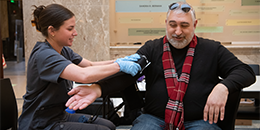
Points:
(95, 73)
(87, 63)
(89, 74)
(103, 62)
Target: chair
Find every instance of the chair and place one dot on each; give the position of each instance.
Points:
(8, 106)
(248, 112)
(255, 68)
(132, 102)
(251, 112)
(230, 111)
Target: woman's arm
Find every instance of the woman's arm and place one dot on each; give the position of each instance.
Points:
(89, 74)
(82, 96)
(93, 73)
(85, 95)
(86, 63)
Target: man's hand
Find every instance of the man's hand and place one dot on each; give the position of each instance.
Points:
(216, 104)
(83, 96)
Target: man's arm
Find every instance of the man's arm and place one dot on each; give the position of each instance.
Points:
(236, 75)
(216, 103)
(116, 82)
(85, 95)
(120, 81)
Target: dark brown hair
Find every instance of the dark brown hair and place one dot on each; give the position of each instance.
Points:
(51, 15)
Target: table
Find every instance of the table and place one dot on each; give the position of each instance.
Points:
(252, 91)
(250, 112)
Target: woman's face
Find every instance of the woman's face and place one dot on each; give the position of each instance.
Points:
(64, 36)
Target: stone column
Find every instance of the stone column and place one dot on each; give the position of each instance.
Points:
(92, 26)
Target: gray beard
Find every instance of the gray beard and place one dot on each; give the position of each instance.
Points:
(179, 44)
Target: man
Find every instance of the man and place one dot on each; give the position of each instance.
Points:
(181, 64)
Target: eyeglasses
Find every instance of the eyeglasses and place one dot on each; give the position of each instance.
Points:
(185, 7)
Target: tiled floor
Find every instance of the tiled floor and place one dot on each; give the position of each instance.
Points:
(16, 72)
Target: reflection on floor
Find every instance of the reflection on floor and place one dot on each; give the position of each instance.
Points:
(16, 72)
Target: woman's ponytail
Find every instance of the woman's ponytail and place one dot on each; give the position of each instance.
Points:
(52, 15)
(36, 15)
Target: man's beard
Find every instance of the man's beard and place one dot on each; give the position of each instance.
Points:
(179, 44)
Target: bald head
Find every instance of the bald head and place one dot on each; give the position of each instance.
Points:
(178, 10)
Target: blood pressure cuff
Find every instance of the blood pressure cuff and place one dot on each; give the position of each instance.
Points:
(121, 80)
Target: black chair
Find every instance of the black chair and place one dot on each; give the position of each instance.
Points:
(133, 102)
(230, 111)
(250, 112)
(255, 68)
(8, 106)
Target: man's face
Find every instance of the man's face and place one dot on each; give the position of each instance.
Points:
(180, 28)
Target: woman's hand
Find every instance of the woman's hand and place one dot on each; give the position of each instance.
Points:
(83, 96)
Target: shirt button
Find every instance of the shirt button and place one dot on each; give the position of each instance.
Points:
(61, 126)
(42, 108)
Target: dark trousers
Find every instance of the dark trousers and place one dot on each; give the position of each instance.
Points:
(71, 122)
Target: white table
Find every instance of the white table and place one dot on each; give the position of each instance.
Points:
(252, 91)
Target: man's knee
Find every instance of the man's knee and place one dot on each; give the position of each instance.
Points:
(148, 122)
(200, 125)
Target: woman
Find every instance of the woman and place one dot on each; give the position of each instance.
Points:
(53, 66)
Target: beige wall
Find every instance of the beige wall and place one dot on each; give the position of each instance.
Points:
(93, 40)
(92, 26)
(249, 54)
(4, 19)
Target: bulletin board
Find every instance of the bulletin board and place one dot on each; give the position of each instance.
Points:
(233, 21)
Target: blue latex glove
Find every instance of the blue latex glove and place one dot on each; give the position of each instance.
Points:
(134, 57)
(128, 67)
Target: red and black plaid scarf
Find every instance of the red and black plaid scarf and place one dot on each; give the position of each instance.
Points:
(174, 115)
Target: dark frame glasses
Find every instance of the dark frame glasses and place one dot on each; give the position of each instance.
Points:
(185, 7)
